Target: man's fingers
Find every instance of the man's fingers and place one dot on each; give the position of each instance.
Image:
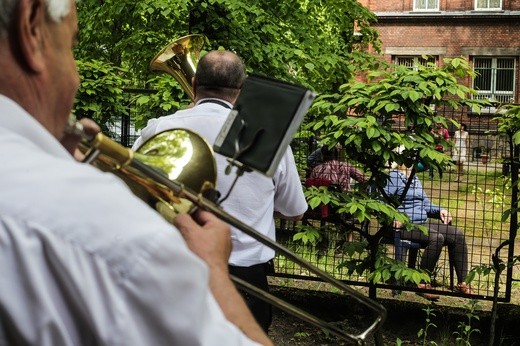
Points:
(90, 127)
(184, 223)
(203, 217)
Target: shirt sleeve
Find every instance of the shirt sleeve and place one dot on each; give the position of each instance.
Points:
(289, 199)
(55, 292)
(356, 174)
(431, 209)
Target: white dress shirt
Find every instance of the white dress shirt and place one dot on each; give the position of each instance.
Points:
(84, 262)
(255, 197)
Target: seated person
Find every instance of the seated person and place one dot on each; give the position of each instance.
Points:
(336, 171)
(418, 208)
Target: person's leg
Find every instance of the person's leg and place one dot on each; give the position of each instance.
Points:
(457, 248)
(433, 242)
(439, 167)
(256, 275)
(459, 170)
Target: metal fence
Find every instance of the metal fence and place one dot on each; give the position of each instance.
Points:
(476, 202)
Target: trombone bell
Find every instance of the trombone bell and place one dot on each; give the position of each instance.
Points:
(179, 59)
(183, 155)
(175, 155)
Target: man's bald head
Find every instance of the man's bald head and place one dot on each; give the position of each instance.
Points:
(219, 74)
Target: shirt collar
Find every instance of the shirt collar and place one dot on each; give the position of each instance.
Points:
(15, 119)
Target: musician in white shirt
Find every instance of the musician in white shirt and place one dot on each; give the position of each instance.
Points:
(254, 198)
(83, 261)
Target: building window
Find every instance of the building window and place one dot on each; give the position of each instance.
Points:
(488, 4)
(413, 61)
(426, 5)
(495, 78)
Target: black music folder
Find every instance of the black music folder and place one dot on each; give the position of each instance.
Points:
(262, 123)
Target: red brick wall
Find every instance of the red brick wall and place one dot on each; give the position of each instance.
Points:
(445, 5)
(387, 5)
(453, 36)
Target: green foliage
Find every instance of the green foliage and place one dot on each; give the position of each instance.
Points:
(129, 33)
(319, 195)
(166, 99)
(355, 203)
(308, 235)
(100, 96)
(362, 117)
(465, 330)
(387, 269)
(423, 332)
(484, 196)
(271, 36)
(357, 262)
(498, 265)
(509, 122)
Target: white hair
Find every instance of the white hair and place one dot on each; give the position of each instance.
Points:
(56, 9)
(398, 150)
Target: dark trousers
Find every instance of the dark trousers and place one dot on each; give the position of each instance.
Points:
(256, 275)
(440, 235)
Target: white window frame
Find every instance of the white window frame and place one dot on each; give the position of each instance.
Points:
(416, 8)
(493, 94)
(487, 8)
(415, 60)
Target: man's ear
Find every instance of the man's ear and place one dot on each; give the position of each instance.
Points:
(30, 24)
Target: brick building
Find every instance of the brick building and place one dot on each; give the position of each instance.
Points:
(485, 32)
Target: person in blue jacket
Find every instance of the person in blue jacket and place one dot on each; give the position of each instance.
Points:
(420, 209)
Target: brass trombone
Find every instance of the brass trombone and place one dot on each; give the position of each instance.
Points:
(149, 172)
(176, 170)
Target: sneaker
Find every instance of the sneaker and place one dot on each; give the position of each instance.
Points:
(425, 295)
(464, 288)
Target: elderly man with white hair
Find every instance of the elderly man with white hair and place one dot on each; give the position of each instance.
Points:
(84, 261)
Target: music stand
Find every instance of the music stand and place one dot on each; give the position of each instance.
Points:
(262, 123)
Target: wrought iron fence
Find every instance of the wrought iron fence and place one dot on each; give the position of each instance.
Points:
(476, 199)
